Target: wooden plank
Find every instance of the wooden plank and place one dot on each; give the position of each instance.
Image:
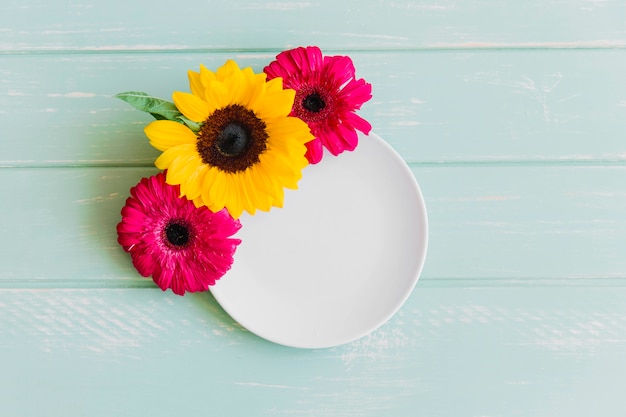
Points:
(41, 25)
(499, 223)
(431, 106)
(521, 222)
(449, 351)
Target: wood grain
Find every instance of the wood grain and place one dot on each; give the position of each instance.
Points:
(511, 115)
(114, 25)
(516, 351)
(487, 223)
(431, 106)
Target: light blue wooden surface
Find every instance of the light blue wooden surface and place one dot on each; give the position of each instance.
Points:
(512, 117)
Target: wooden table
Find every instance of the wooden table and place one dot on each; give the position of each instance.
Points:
(512, 116)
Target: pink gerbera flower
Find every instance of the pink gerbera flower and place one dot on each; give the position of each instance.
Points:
(327, 96)
(183, 247)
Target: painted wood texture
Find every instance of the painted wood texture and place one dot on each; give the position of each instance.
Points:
(43, 25)
(518, 351)
(502, 222)
(511, 116)
(431, 106)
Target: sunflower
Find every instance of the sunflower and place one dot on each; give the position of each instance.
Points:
(327, 97)
(247, 149)
(182, 247)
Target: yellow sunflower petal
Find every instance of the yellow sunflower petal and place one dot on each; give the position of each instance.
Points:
(165, 134)
(198, 202)
(195, 83)
(246, 193)
(193, 107)
(230, 191)
(275, 104)
(227, 70)
(216, 186)
(288, 135)
(284, 169)
(193, 185)
(261, 185)
(236, 85)
(263, 195)
(264, 181)
(275, 85)
(181, 169)
(239, 202)
(167, 157)
(275, 165)
(206, 75)
(256, 88)
(217, 96)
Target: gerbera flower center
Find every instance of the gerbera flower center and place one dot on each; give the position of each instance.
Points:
(313, 103)
(177, 234)
(232, 138)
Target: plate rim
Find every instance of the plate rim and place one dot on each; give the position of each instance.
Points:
(421, 212)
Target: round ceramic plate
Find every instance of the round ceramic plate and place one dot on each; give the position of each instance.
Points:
(338, 260)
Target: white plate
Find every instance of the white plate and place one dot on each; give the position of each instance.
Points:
(338, 260)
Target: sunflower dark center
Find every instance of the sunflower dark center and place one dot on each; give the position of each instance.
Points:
(232, 138)
(313, 103)
(177, 234)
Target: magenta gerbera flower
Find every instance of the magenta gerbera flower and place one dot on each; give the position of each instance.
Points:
(183, 247)
(327, 96)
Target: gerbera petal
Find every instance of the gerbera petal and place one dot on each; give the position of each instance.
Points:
(178, 282)
(142, 260)
(183, 263)
(357, 122)
(355, 93)
(338, 69)
(315, 59)
(301, 61)
(165, 134)
(327, 94)
(349, 137)
(314, 151)
(332, 141)
(192, 107)
(163, 278)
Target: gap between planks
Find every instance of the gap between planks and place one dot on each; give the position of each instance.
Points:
(453, 47)
(425, 282)
(566, 162)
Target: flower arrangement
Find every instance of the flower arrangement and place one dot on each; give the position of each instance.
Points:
(233, 144)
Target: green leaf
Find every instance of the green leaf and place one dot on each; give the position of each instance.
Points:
(159, 109)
